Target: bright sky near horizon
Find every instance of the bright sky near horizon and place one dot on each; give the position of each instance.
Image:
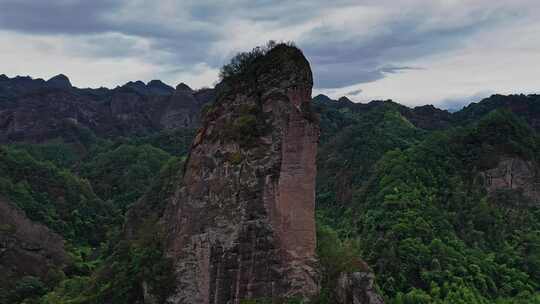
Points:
(447, 53)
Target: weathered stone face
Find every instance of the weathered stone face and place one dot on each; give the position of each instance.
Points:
(357, 288)
(26, 248)
(241, 224)
(516, 174)
(37, 111)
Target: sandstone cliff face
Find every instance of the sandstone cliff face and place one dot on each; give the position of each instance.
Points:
(513, 173)
(26, 248)
(241, 224)
(35, 110)
(357, 288)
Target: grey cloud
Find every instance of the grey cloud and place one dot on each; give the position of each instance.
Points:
(354, 92)
(187, 36)
(55, 16)
(397, 69)
(283, 12)
(457, 103)
(93, 22)
(110, 45)
(345, 74)
(341, 55)
(340, 62)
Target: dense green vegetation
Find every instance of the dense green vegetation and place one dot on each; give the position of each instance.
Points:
(430, 231)
(409, 202)
(120, 277)
(82, 191)
(526, 107)
(347, 157)
(175, 142)
(129, 260)
(122, 174)
(244, 62)
(60, 153)
(55, 197)
(245, 65)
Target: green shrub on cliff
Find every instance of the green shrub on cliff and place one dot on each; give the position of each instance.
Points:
(242, 63)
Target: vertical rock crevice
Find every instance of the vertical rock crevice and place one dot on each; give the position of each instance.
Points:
(241, 223)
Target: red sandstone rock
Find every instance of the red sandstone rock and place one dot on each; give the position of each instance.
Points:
(513, 173)
(357, 288)
(241, 225)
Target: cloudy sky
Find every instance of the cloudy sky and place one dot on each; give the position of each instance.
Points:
(446, 52)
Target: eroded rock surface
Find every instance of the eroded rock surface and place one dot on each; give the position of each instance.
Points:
(241, 224)
(34, 110)
(26, 248)
(513, 173)
(357, 288)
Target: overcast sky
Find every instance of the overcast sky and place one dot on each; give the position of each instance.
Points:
(416, 52)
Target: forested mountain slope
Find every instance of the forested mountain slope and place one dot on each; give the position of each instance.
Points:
(443, 207)
(434, 226)
(439, 215)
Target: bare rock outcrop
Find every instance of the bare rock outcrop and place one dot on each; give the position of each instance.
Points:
(26, 248)
(512, 173)
(241, 224)
(34, 110)
(357, 288)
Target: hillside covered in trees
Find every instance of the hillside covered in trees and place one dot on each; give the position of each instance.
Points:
(442, 207)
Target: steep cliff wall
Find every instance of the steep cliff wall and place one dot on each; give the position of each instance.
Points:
(241, 224)
(26, 248)
(514, 174)
(33, 110)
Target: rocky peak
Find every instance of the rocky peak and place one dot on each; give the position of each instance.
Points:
(136, 86)
(241, 225)
(430, 110)
(22, 78)
(357, 288)
(205, 95)
(183, 87)
(182, 110)
(282, 65)
(157, 87)
(322, 98)
(59, 81)
(345, 99)
(26, 83)
(154, 87)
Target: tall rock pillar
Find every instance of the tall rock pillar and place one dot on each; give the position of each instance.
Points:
(241, 224)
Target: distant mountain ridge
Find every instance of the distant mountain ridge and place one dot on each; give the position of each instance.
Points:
(429, 117)
(35, 110)
(426, 117)
(22, 85)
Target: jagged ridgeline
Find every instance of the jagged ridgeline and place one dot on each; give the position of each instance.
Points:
(129, 196)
